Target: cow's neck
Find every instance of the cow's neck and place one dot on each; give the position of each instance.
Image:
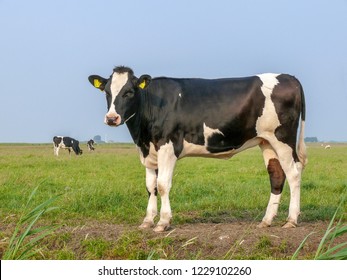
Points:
(137, 127)
(134, 128)
(146, 115)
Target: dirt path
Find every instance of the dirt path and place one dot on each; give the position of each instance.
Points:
(234, 240)
(238, 240)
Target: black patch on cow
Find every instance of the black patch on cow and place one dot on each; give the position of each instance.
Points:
(123, 69)
(57, 140)
(230, 105)
(241, 116)
(287, 97)
(73, 143)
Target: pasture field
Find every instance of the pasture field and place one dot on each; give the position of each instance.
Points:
(216, 203)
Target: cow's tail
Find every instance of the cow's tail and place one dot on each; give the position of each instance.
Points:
(301, 149)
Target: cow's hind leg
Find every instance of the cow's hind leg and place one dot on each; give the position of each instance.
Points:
(152, 210)
(277, 179)
(292, 167)
(166, 164)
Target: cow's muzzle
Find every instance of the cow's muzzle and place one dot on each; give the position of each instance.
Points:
(113, 120)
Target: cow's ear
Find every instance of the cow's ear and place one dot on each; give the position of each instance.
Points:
(144, 81)
(98, 82)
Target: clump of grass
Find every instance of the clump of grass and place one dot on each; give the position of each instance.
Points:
(326, 250)
(264, 243)
(96, 248)
(25, 238)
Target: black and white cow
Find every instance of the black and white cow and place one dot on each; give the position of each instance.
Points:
(170, 118)
(66, 143)
(90, 145)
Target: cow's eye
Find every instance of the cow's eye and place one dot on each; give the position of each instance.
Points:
(129, 93)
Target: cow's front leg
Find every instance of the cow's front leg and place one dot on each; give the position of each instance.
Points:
(152, 210)
(166, 165)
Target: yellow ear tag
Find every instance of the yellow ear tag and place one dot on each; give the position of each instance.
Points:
(142, 85)
(97, 83)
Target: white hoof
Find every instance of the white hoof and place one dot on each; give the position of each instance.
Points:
(289, 224)
(161, 228)
(263, 225)
(146, 225)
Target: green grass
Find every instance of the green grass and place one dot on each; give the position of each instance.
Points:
(26, 236)
(327, 249)
(108, 185)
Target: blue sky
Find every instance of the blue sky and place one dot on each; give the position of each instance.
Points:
(49, 48)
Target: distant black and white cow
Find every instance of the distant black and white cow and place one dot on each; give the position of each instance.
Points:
(170, 118)
(66, 143)
(90, 145)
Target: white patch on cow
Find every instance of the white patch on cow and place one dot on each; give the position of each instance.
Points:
(193, 150)
(117, 83)
(151, 160)
(166, 164)
(293, 172)
(62, 145)
(209, 132)
(272, 208)
(180, 95)
(190, 149)
(56, 149)
(152, 208)
(268, 121)
(302, 154)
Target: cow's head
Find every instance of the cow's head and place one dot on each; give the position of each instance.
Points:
(122, 93)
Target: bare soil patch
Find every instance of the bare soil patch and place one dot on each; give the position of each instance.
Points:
(238, 240)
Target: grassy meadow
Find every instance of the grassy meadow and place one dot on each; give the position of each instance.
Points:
(108, 186)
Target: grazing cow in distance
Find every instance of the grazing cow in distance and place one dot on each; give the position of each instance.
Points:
(171, 118)
(326, 146)
(66, 143)
(90, 145)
